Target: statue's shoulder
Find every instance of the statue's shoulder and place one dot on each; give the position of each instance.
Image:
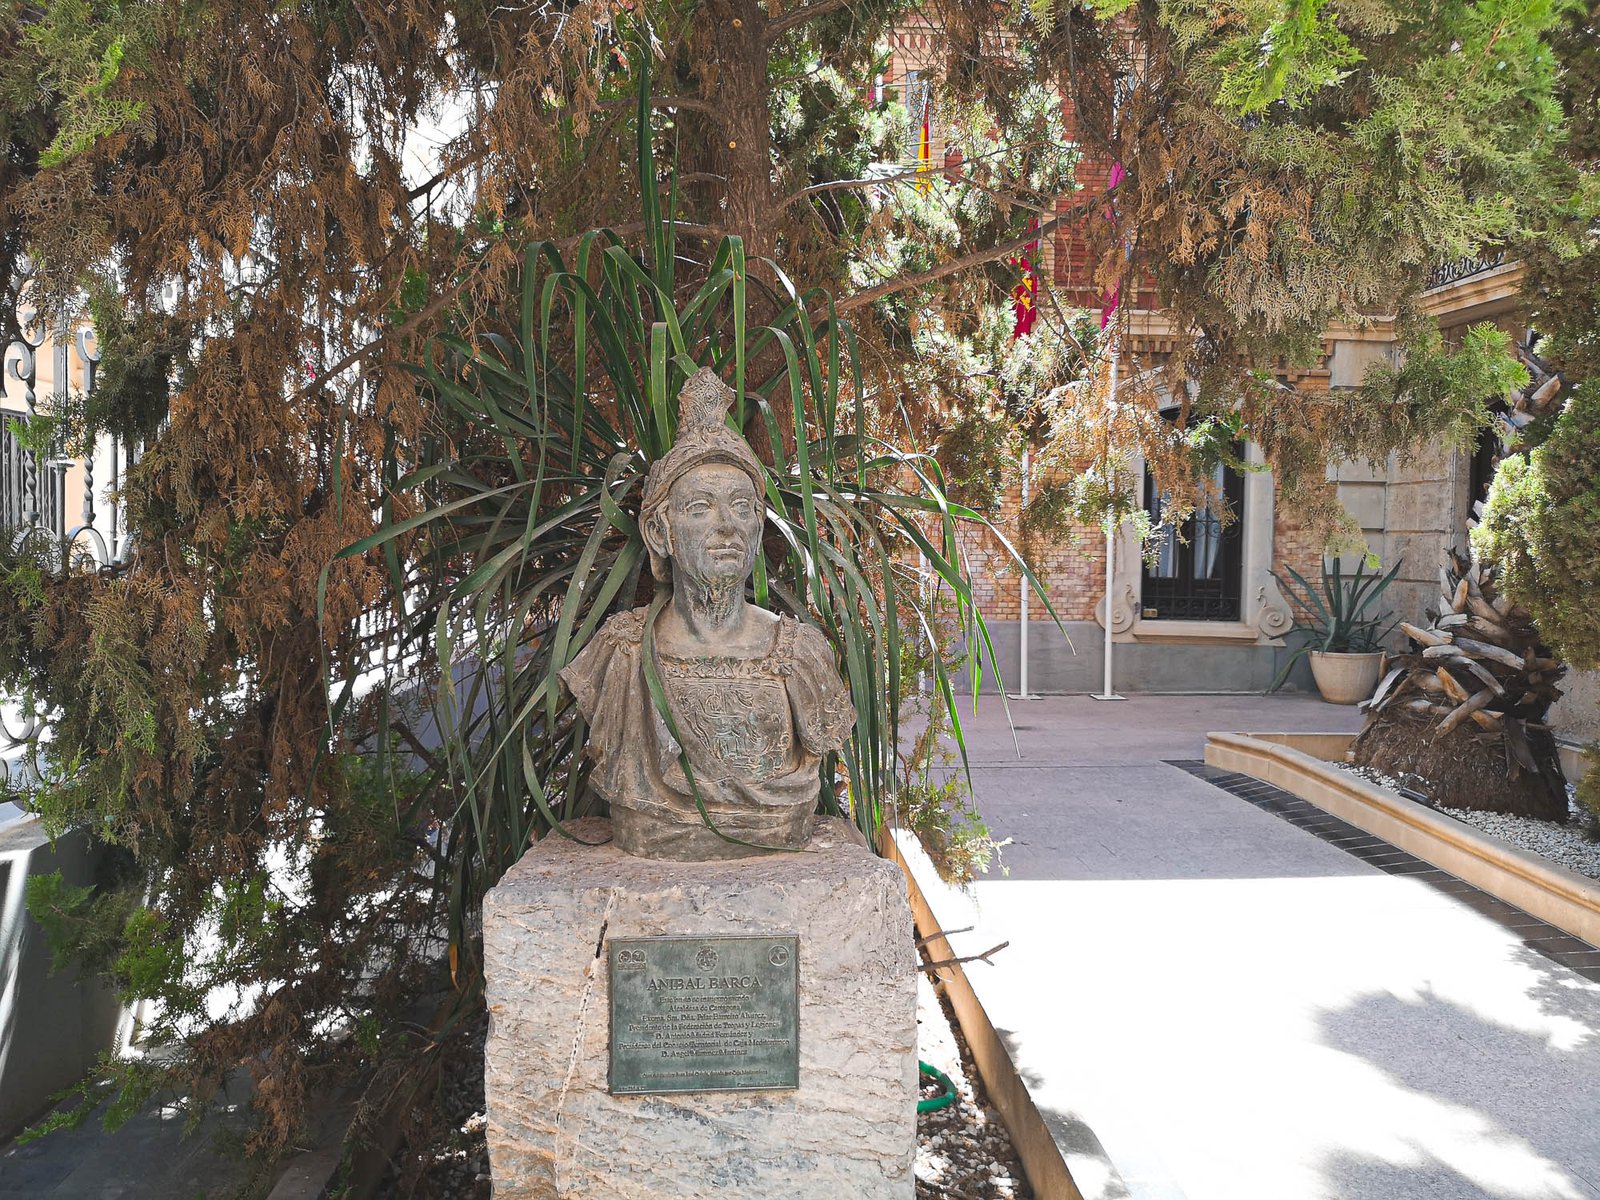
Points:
(616, 642)
(625, 628)
(822, 708)
(802, 645)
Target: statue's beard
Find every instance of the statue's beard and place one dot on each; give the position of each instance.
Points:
(712, 600)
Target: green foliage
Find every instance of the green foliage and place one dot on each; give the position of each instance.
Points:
(1335, 618)
(1565, 299)
(1300, 52)
(1589, 785)
(518, 522)
(89, 919)
(61, 910)
(933, 797)
(935, 802)
(1541, 525)
(818, 124)
(79, 50)
(39, 435)
(1438, 396)
(984, 393)
(1435, 398)
(153, 147)
(143, 356)
(1015, 162)
(975, 453)
(1402, 137)
(124, 1086)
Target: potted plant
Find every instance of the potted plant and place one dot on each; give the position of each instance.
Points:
(1343, 637)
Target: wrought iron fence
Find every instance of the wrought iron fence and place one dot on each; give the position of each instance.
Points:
(32, 492)
(1458, 269)
(35, 505)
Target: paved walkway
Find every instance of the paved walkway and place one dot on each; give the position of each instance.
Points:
(1243, 1011)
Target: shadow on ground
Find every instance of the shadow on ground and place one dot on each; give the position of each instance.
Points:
(1493, 1097)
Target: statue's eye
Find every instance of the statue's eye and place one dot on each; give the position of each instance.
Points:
(697, 508)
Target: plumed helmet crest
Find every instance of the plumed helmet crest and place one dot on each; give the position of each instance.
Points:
(703, 437)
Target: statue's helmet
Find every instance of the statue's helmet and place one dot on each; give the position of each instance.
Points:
(703, 437)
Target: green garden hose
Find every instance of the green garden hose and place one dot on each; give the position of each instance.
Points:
(935, 1103)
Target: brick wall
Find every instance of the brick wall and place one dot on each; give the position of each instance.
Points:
(1295, 544)
(1072, 565)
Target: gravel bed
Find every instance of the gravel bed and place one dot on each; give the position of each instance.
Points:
(962, 1151)
(1571, 845)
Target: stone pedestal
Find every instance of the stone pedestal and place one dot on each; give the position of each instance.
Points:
(847, 1133)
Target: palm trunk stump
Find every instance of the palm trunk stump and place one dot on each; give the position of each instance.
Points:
(1462, 713)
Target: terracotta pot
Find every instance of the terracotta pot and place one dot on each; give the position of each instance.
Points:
(1345, 678)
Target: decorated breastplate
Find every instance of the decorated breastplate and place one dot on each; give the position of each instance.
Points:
(733, 714)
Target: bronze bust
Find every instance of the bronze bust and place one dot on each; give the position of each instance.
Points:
(756, 696)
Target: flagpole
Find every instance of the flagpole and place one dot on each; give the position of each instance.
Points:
(1106, 692)
(1022, 588)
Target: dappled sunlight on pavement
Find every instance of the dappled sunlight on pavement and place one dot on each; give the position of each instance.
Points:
(1241, 1010)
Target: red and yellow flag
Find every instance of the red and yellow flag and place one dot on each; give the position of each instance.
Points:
(1025, 294)
(925, 144)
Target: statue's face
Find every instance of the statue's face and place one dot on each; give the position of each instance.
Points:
(714, 522)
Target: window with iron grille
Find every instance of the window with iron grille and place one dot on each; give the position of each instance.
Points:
(1197, 572)
(32, 489)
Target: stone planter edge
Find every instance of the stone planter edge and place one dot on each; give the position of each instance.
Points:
(1064, 1160)
(1563, 898)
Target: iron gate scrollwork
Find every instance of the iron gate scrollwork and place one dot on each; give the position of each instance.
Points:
(34, 505)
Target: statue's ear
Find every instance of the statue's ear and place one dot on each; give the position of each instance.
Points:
(657, 535)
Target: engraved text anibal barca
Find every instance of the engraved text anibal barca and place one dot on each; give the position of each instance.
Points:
(704, 1014)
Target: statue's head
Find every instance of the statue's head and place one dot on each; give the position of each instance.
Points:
(703, 504)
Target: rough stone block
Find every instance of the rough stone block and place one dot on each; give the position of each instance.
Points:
(1421, 507)
(1351, 360)
(849, 1130)
(1364, 502)
(1359, 471)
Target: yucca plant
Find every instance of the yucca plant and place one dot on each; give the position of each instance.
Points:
(512, 534)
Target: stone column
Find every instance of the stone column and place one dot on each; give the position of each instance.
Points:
(848, 1130)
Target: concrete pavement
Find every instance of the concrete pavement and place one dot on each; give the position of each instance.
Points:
(1241, 1010)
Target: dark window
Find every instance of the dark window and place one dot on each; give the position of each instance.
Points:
(1197, 572)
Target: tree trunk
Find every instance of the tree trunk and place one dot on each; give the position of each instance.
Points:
(738, 127)
(1466, 767)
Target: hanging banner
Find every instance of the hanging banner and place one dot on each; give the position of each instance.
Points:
(1025, 294)
(925, 142)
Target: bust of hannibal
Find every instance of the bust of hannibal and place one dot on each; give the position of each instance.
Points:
(756, 696)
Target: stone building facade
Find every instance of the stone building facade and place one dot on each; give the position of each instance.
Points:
(1411, 508)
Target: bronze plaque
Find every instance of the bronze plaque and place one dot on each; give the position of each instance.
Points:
(704, 1014)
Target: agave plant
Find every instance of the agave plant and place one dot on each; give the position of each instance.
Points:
(1336, 617)
(511, 535)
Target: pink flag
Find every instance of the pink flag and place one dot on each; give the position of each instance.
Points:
(1109, 308)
